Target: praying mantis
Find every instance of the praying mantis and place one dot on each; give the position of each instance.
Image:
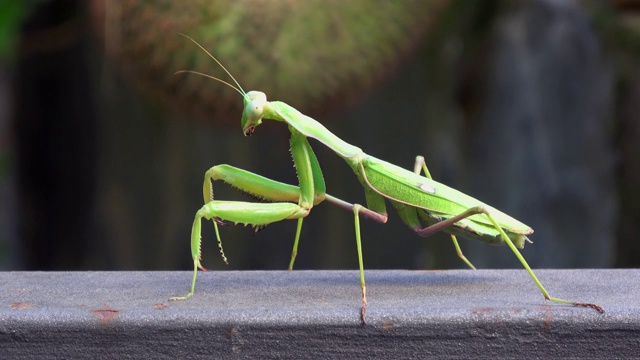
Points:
(423, 204)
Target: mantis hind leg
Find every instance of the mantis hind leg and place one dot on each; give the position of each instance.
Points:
(481, 210)
(533, 276)
(420, 165)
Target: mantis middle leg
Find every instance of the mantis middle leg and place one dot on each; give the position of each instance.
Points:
(419, 165)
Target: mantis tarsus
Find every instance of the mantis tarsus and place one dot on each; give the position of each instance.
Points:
(423, 204)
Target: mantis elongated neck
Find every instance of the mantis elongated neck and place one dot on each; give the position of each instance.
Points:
(309, 127)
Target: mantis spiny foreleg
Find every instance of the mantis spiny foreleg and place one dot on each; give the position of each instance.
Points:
(237, 212)
(310, 190)
(252, 184)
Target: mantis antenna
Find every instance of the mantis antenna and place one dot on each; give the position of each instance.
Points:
(238, 89)
(210, 77)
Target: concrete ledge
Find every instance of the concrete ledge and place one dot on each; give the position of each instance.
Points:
(314, 314)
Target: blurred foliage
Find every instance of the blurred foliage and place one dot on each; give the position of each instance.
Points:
(272, 46)
(12, 13)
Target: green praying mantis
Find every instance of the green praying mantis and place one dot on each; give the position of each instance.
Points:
(423, 204)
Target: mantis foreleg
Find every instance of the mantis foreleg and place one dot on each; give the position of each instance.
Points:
(420, 164)
(310, 191)
(259, 187)
(271, 190)
(237, 212)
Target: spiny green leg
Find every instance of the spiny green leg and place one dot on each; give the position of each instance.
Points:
(237, 212)
(256, 185)
(533, 276)
(196, 253)
(420, 164)
(310, 191)
(303, 155)
(272, 190)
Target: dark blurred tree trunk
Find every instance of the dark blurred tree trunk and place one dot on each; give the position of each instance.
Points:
(542, 147)
(629, 139)
(55, 138)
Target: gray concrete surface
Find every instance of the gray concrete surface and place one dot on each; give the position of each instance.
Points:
(314, 314)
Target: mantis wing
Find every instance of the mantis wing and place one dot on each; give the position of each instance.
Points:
(406, 187)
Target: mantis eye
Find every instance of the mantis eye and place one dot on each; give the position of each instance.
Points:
(256, 107)
(253, 111)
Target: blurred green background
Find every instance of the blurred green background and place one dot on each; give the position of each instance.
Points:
(530, 106)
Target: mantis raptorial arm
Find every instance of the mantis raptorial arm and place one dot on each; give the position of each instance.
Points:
(274, 191)
(258, 213)
(425, 205)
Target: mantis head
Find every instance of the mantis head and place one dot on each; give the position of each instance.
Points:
(254, 102)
